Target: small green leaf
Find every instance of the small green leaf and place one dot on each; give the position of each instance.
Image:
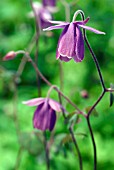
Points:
(111, 99)
(66, 139)
(94, 112)
(81, 134)
(111, 86)
(70, 117)
(78, 120)
(31, 142)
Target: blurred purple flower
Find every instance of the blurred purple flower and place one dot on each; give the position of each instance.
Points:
(45, 114)
(42, 14)
(71, 42)
(49, 3)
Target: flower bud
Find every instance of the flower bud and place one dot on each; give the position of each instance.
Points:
(9, 56)
(84, 94)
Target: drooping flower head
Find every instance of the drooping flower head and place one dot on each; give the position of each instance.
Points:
(45, 113)
(71, 41)
(42, 14)
(51, 3)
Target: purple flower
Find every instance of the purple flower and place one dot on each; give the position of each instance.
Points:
(71, 42)
(51, 3)
(45, 113)
(42, 14)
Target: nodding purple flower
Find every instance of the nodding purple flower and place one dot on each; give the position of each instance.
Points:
(51, 3)
(42, 14)
(45, 113)
(71, 42)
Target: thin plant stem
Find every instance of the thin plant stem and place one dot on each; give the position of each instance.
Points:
(109, 90)
(102, 84)
(67, 9)
(46, 81)
(77, 148)
(24, 59)
(72, 135)
(15, 108)
(90, 49)
(93, 143)
(37, 23)
(96, 62)
(52, 87)
(38, 27)
(61, 75)
(76, 14)
(93, 55)
(101, 96)
(46, 152)
(18, 158)
(90, 129)
(99, 99)
(21, 66)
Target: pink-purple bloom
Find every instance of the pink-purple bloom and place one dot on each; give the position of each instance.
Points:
(51, 3)
(42, 14)
(71, 41)
(45, 113)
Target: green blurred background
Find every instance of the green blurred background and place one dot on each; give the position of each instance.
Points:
(25, 151)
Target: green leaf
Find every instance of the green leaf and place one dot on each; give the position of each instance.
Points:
(69, 117)
(31, 142)
(94, 112)
(66, 139)
(111, 99)
(72, 118)
(111, 86)
(81, 134)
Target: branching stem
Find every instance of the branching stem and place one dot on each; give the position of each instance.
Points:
(73, 137)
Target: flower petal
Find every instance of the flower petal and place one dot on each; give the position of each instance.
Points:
(62, 34)
(49, 2)
(40, 119)
(52, 119)
(34, 102)
(82, 22)
(44, 117)
(79, 46)
(55, 27)
(52, 9)
(67, 41)
(64, 58)
(55, 105)
(58, 22)
(92, 29)
(45, 15)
